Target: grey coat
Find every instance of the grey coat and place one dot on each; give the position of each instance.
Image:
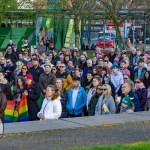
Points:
(108, 101)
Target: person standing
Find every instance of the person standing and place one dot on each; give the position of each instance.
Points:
(51, 107)
(3, 103)
(76, 99)
(47, 78)
(33, 92)
(36, 71)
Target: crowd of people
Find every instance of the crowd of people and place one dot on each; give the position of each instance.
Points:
(73, 84)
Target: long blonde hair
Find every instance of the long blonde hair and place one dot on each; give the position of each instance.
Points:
(108, 89)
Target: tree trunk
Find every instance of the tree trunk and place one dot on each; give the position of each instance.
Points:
(119, 38)
(77, 31)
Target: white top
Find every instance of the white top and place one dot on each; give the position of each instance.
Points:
(51, 109)
(74, 97)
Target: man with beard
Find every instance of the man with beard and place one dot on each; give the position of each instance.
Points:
(36, 71)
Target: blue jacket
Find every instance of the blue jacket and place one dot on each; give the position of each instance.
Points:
(80, 101)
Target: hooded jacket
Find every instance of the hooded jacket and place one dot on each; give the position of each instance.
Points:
(51, 109)
(80, 101)
(117, 80)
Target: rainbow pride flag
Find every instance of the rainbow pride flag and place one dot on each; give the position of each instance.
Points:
(18, 115)
(117, 100)
(105, 109)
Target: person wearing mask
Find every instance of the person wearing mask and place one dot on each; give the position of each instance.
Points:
(33, 92)
(76, 99)
(141, 92)
(63, 95)
(51, 107)
(65, 76)
(46, 78)
(106, 103)
(36, 71)
(94, 100)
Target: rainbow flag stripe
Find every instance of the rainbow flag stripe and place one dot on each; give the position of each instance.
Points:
(20, 114)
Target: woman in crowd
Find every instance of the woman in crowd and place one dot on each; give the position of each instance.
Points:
(24, 71)
(33, 93)
(51, 107)
(106, 103)
(4, 86)
(141, 92)
(107, 81)
(54, 70)
(95, 83)
(63, 95)
(94, 100)
(95, 71)
(19, 88)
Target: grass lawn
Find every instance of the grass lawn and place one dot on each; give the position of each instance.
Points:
(135, 146)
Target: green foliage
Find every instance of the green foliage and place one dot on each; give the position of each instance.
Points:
(136, 146)
(5, 7)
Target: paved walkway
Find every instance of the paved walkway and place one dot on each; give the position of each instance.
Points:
(77, 132)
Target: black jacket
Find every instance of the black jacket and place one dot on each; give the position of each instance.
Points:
(112, 57)
(63, 101)
(36, 72)
(11, 56)
(34, 93)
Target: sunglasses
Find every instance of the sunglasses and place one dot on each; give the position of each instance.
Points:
(104, 89)
(8, 62)
(137, 81)
(100, 89)
(61, 66)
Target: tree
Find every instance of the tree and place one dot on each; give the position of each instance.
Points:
(78, 10)
(119, 11)
(5, 7)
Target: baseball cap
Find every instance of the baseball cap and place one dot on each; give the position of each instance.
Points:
(28, 76)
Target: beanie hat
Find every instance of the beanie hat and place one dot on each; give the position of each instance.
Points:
(126, 100)
(115, 66)
(19, 63)
(127, 72)
(28, 76)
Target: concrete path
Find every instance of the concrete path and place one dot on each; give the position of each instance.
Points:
(77, 132)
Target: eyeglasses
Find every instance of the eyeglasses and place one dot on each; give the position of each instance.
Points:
(137, 81)
(105, 89)
(100, 89)
(61, 66)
